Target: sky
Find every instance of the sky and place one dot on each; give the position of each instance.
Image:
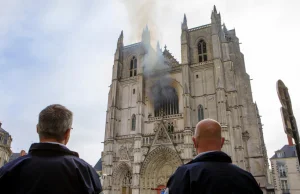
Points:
(63, 52)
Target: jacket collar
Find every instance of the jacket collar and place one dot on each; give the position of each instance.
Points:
(51, 147)
(215, 156)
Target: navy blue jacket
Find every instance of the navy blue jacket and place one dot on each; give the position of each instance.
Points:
(49, 169)
(212, 173)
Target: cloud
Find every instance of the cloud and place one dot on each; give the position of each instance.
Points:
(69, 56)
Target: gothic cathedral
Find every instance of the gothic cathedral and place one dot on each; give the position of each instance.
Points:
(155, 102)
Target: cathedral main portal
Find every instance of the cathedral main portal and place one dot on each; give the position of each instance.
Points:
(157, 168)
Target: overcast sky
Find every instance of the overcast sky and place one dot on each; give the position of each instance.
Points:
(61, 51)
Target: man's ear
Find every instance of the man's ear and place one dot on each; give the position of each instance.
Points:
(222, 141)
(194, 140)
(37, 129)
(67, 136)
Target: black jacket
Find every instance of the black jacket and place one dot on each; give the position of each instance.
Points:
(212, 173)
(49, 169)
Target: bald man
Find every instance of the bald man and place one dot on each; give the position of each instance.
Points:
(211, 171)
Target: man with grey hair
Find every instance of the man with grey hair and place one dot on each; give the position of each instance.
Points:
(211, 171)
(50, 167)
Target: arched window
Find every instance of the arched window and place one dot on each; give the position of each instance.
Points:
(202, 51)
(200, 113)
(133, 66)
(133, 121)
(165, 100)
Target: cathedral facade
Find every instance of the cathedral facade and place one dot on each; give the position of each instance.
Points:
(155, 102)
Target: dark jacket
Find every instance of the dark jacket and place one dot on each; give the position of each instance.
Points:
(212, 173)
(49, 169)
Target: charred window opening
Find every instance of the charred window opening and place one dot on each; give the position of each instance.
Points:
(133, 66)
(165, 100)
(202, 51)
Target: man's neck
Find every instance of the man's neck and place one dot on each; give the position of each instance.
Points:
(201, 153)
(52, 141)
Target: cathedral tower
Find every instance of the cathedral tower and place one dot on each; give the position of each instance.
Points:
(155, 102)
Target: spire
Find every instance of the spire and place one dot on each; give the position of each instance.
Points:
(120, 39)
(184, 23)
(215, 9)
(146, 35)
(215, 17)
(158, 47)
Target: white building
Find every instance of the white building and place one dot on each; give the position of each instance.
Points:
(5, 151)
(286, 170)
(155, 102)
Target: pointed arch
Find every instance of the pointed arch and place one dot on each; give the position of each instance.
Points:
(122, 178)
(133, 66)
(200, 112)
(202, 51)
(157, 167)
(133, 122)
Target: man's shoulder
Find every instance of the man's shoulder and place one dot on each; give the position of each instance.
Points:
(11, 166)
(78, 161)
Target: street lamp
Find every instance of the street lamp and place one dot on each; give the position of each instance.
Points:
(288, 119)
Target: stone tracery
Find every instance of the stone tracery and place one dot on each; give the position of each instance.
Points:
(122, 178)
(158, 167)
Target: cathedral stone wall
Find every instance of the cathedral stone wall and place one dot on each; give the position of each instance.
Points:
(155, 103)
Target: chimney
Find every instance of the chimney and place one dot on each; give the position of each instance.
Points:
(290, 140)
(0, 124)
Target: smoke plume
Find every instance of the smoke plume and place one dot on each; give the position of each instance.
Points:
(159, 91)
(140, 14)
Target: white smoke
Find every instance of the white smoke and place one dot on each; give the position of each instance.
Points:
(140, 14)
(143, 13)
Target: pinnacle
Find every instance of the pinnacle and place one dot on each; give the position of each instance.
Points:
(158, 45)
(215, 9)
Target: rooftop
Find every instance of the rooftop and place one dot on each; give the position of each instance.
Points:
(98, 166)
(2, 130)
(287, 150)
(132, 45)
(14, 156)
(200, 27)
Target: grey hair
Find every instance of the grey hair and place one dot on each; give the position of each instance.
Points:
(54, 121)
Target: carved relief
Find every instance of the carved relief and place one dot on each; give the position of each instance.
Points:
(162, 137)
(179, 149)
(144, 151)
(123, 154)
(161, 181)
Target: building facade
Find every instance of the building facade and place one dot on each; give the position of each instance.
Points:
(5, 142)
(286, 170)
(155, 102)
